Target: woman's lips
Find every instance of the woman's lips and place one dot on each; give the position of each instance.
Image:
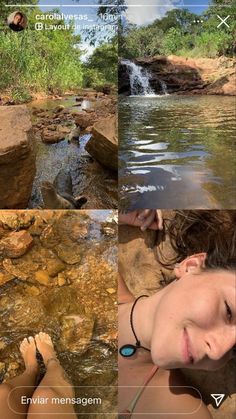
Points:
(187, 354)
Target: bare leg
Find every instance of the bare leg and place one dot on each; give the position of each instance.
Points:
(11, 392)
(54, 385)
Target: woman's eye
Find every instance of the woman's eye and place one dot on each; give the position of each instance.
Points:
(228, 311)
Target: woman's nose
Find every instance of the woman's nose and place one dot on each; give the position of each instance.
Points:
(219, 343)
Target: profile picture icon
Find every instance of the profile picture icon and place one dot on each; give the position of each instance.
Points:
(17, 21)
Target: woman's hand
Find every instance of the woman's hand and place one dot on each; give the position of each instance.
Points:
(144, 219)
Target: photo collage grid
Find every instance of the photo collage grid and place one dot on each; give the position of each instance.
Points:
(118, 209)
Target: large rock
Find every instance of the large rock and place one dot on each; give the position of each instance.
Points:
(184, 75)
(103, 145)
(16, 244)
(84, 119)
(17, 157)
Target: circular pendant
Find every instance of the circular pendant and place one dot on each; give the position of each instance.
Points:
(127, 350)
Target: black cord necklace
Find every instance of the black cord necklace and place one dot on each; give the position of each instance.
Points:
(129, 350)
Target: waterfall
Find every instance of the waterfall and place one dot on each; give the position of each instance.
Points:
(163, 87)
(140, 80)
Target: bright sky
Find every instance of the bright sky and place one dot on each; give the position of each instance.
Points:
(143, 12)
(77, 7)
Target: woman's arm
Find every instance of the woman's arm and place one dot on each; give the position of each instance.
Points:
(144, 219)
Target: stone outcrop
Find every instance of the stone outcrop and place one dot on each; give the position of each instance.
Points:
(185, 75)
(17, 157)
(103, 145)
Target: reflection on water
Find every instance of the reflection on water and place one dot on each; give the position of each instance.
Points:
(74, 300)
(177, 152)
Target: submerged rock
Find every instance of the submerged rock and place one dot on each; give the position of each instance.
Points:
(16, 220)
(16, 244)
(15, 271)
(55, 266)
(17, 157)
(43, 277)
(76, 333)
(69, 254)
(21, 313)
(84, 119)
(52, 137)
(5, 277)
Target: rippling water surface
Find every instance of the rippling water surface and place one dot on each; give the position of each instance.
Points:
(177, 152)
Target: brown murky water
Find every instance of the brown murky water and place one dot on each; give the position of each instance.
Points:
(65, 285)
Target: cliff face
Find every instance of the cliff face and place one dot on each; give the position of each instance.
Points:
(185, 75)
(17, 157)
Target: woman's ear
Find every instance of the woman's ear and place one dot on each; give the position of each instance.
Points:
(193, 263)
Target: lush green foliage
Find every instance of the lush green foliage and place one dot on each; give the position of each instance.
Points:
(46, 60)
(179, 33)
(49, 60)
(101, 67)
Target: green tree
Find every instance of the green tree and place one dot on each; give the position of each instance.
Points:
(173, 41)
(46, 60)
(101, 67)
(137, 41)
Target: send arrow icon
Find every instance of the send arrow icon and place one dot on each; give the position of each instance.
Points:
(218, 398)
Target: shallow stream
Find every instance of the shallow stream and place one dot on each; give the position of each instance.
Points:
(89, 178)
(79, 312)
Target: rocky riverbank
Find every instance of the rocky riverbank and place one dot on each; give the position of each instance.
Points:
(58, 274)
(95, 173)
(17, 157)
(186, 75)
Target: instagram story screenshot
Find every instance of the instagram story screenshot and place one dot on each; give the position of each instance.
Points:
(118, 209)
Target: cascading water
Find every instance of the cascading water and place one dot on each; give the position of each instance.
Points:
(140, 80)
(163, 87)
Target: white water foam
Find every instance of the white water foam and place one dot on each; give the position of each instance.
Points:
(140, 81)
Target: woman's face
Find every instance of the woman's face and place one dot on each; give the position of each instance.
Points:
(195, 322)
(18, 19)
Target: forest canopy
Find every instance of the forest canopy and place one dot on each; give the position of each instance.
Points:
(181, 32)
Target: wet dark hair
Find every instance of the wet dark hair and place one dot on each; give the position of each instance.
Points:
(197, 231)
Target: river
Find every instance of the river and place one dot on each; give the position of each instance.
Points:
(89, 178)
(80, 313)
(177, 152)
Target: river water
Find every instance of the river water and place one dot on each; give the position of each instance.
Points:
(177, 152)
(81, 314)
(89, 178)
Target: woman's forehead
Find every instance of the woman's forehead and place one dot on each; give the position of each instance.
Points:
(220, 279)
